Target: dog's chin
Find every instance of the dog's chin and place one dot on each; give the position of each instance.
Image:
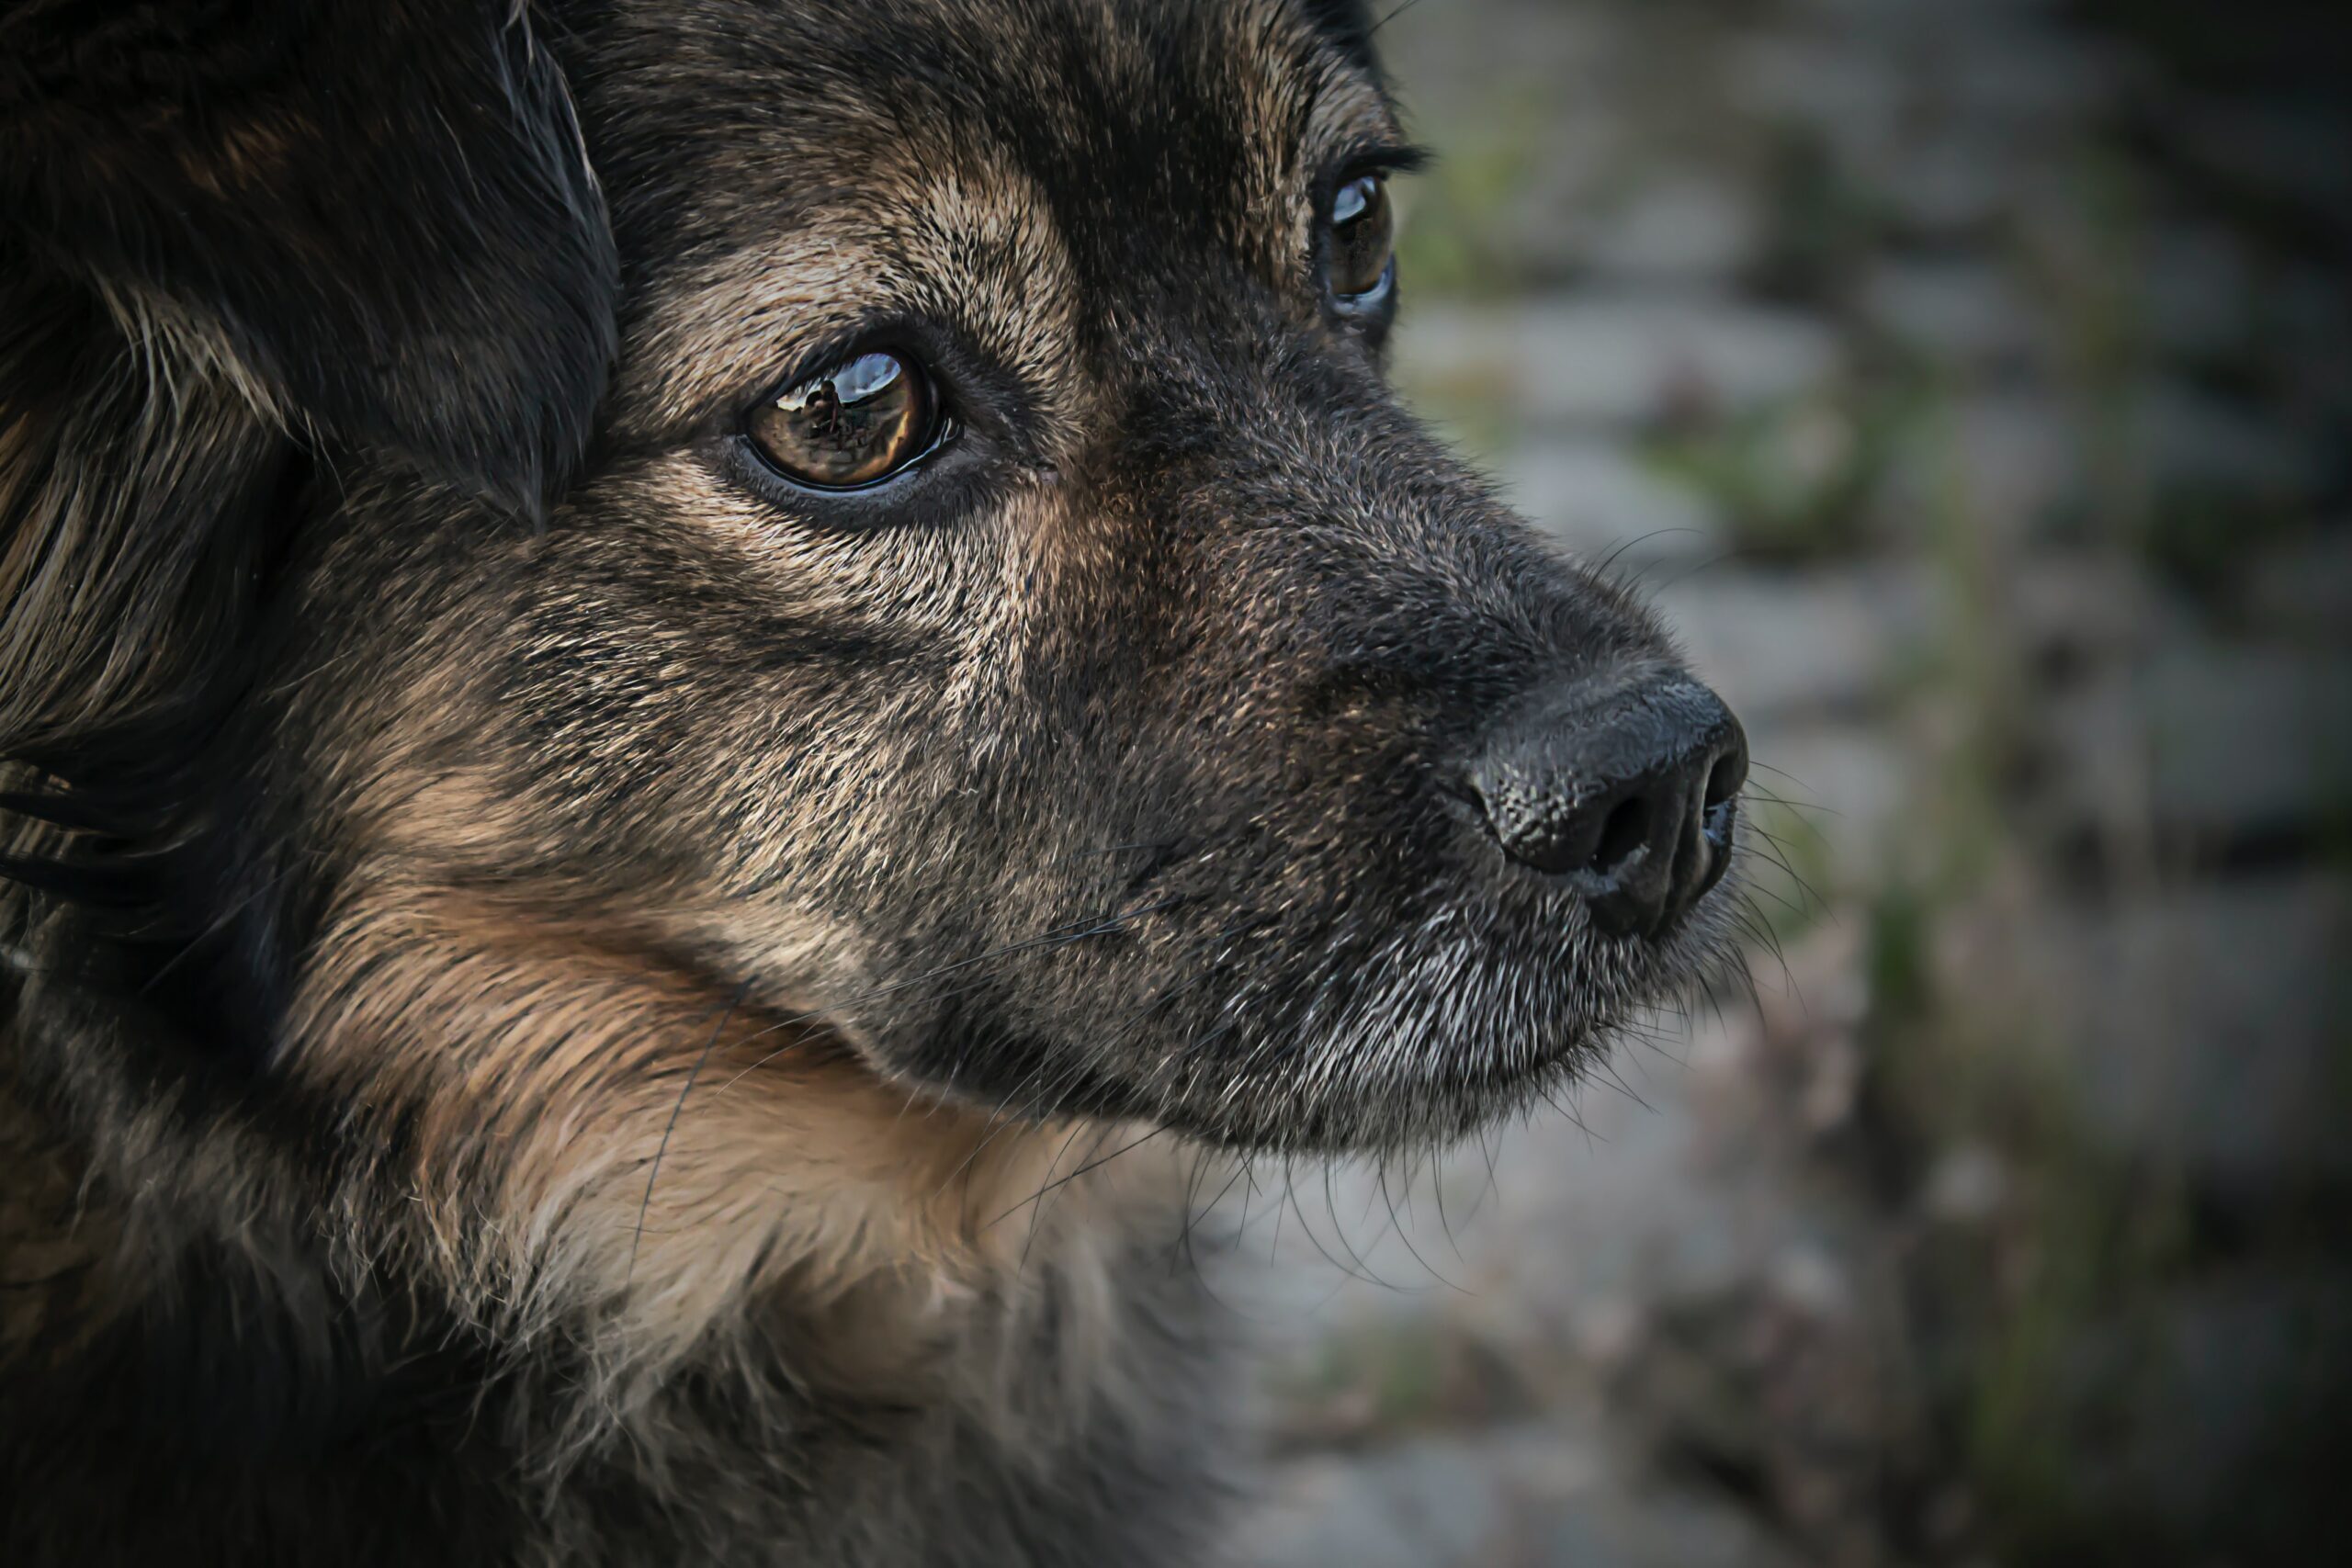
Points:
(1420, 1044)
(1465, 1038)
(1431, 1109)
(1444, 1043)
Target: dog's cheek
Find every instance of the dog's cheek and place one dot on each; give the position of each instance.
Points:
(773, 710)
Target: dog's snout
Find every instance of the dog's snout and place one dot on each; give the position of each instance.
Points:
(1626, 790)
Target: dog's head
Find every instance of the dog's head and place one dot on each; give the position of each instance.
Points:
(993, 627)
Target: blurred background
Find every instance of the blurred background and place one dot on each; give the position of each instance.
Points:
(1970, 381)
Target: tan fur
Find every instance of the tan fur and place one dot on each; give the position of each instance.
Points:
(187, 406)
(478, 1043)
(1302, 117)
(244, 154)
(594, 1123)
(178, 348)
(655, 1154)
(926, 232)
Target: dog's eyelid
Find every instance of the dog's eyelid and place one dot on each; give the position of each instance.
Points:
(979, 419)
(884, 335)
(957, 383)
(1384, 158)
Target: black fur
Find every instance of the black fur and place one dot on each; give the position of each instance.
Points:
(471, 821)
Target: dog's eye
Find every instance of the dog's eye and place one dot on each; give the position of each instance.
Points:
(1362, 235)
(856, 423)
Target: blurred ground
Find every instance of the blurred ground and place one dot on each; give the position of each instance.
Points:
(1970, 381)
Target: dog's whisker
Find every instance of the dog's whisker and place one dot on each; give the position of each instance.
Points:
(652, 1175)
(1092, 1165)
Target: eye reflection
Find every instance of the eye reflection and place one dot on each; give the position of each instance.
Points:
(854, 424)
(1362, 237)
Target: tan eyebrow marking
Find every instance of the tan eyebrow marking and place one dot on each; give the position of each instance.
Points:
(960, 235)
(971, 243)
(1304, 105)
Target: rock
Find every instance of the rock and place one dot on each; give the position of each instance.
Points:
(1683, 227)
(2308, 314)
(2189, 439)
(1545, 231)
(1600, 500)
(1622, 360)
(1945, 186)
(1546, 1495)
(2199, 292)
(1775, 643)
(2225, 1403)
(2200, 1029)
(2079, 609)
(1967, 1185)
(2017, 460)
(1543, 1250)
(2010, 461)
(1806, 1280)
(2286, 149)
(1430, 1503)
(1835, 794)
(2217, 742)
(1965, 313)
(1794, 477)
(2025, 79)
(1671, 1530)
(1578, 217)
(1942, 115)
(1854, 96)
(2302, 594)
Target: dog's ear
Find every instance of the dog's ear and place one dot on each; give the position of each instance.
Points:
(239, 237)
(380, 214)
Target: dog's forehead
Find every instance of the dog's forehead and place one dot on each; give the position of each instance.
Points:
(762, 161)
(1093, 97)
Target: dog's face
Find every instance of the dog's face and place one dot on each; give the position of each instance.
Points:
(1004, 634)
(1006, 620)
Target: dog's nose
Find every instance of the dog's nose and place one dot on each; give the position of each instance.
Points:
(1625, 788)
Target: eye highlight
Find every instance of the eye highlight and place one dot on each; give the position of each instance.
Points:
(854, 424)
(1363, 235)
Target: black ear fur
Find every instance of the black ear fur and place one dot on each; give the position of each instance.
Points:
(1349, 25)
(381, 213)
(236, 234)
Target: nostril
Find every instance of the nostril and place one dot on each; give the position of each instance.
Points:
(1724, 779)
(1626, 830)
(1623, 789)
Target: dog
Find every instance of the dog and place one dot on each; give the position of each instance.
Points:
(693, 693)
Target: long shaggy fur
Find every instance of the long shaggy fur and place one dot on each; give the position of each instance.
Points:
(564, 998)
